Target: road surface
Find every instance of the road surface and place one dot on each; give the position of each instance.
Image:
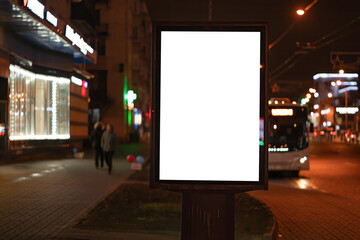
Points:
(322, 203)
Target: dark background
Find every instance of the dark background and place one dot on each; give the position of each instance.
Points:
(329, 25)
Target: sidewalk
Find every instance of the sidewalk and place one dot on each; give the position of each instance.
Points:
(133, 211)
(46, 199)
(40, 199)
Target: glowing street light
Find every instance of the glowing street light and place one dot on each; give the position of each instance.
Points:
(330, 95)
(338, 82)
(341, 71)
(312, 90)
(304, 101)
(308, 95)
(300, 12)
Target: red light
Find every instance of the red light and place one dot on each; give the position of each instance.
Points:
(130, 158)
(149, 115)
(83, 89)
(352, 135)
(322, 132)
(315, 133)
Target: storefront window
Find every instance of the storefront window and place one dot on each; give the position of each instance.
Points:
(39, 106)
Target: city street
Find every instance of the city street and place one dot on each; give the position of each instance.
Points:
(191, 97)
(322, 203)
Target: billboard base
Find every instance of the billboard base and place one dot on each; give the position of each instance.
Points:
(207, 215)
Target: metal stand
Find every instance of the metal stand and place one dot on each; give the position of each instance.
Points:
(207, 215)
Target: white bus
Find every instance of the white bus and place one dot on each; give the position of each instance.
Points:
(288, 139)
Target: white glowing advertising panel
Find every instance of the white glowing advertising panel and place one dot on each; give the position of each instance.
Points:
(209, 105)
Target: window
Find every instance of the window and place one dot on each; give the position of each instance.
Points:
(39, 106)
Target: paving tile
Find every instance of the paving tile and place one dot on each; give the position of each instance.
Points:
(38, 200)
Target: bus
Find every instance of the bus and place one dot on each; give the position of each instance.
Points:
(288, 138)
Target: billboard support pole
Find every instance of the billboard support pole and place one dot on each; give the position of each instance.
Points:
(207, 215)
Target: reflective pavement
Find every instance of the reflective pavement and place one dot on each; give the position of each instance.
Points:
(39, 200)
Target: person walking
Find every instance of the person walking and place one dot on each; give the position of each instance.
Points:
(95, 139)
(108, 142)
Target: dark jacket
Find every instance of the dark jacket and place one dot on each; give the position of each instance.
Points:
(108, 141)
(95, 137)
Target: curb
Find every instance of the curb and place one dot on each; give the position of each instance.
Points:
(71, 232)
(272, 235)
(65, 230)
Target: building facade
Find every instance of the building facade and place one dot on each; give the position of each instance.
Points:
(337, 104)
(44, 88)
(120, 90)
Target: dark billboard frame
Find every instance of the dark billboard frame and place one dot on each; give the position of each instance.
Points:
(181, 185)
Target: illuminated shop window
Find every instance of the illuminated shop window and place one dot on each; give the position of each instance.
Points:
(39, 106)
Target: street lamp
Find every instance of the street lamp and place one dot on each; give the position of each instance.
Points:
(338, 82)
(300, 12)
(312, 90)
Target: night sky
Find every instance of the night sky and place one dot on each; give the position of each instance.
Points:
(329, 25)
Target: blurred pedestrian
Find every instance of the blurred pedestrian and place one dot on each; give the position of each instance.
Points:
(108, 142)
(95, 139)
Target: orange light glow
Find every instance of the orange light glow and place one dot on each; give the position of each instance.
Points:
(300, 12)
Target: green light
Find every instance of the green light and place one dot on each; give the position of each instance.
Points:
(129, 118)
(131, 96)
(261, 143)
(125, 91)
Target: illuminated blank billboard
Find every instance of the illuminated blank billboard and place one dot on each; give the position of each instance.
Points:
(208, 106)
